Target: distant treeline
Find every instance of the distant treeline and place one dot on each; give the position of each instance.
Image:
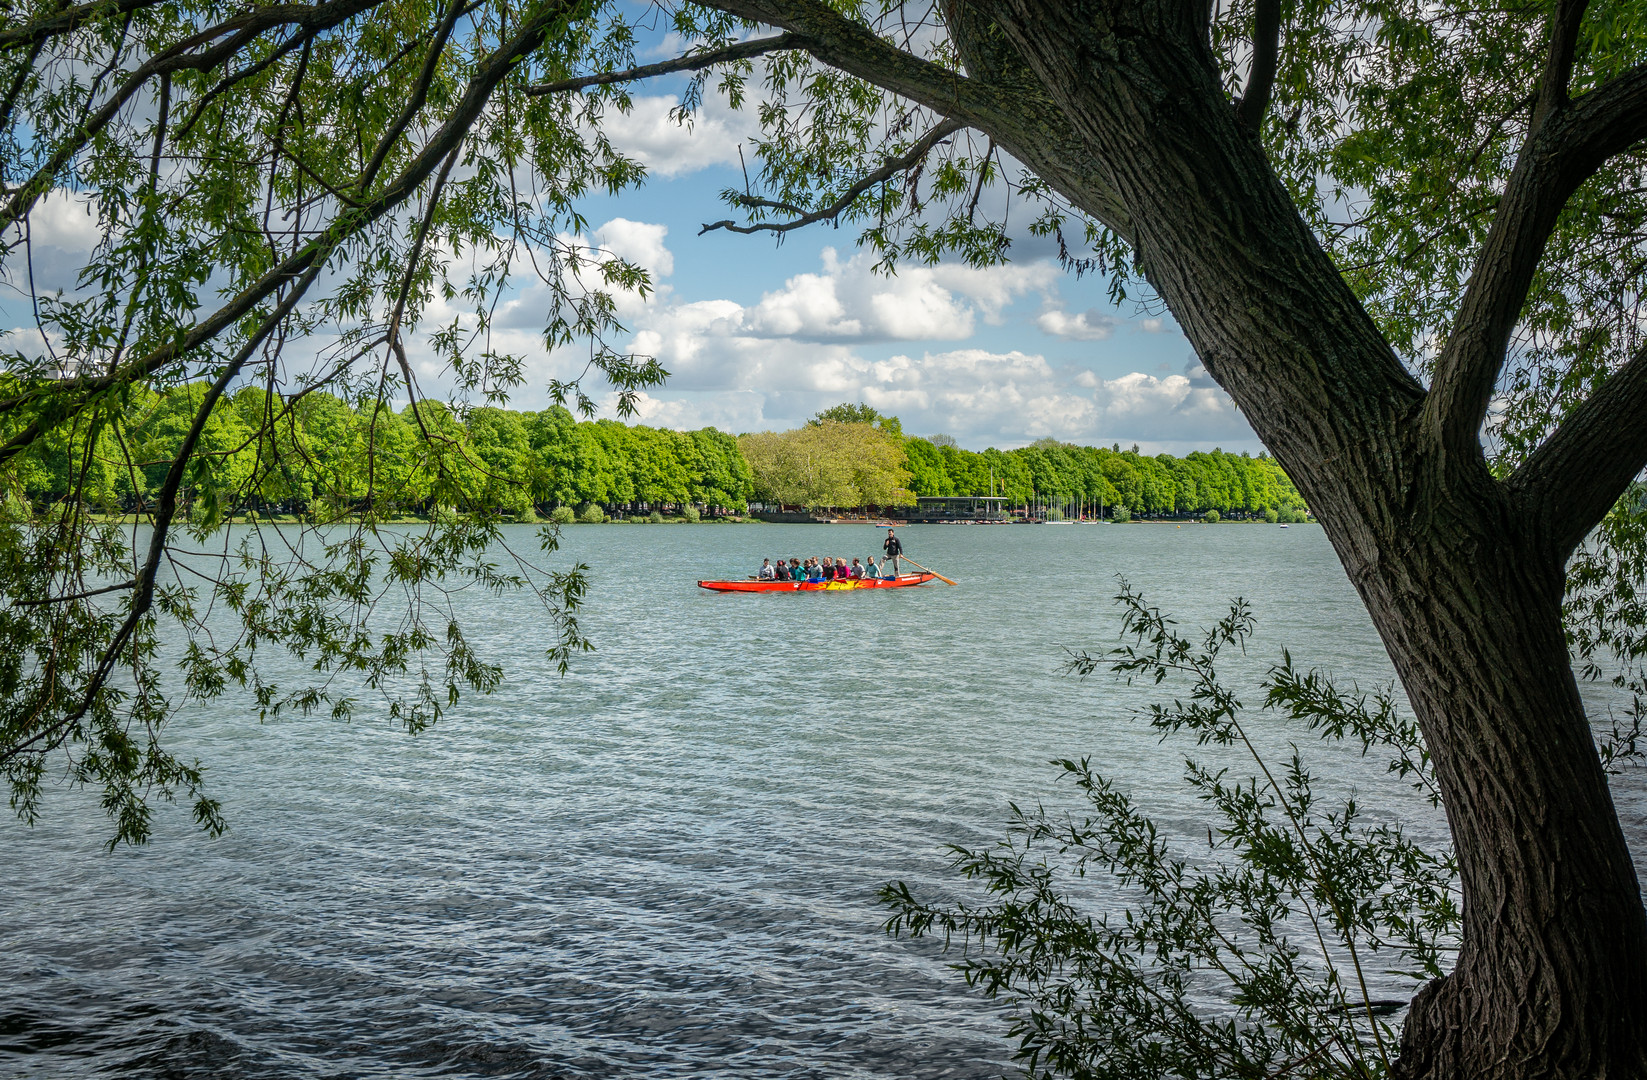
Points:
(1057, 473)
(316, 452)
(313, 452)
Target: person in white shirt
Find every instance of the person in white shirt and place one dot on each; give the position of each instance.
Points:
(767, 573)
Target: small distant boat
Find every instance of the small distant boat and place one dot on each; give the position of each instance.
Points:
(902, 581)
(1285, 526)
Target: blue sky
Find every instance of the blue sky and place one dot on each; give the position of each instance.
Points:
(759, 335)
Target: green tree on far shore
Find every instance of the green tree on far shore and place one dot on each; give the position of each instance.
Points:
(828, 463)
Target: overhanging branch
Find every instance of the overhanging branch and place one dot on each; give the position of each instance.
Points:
(420, 93)
(62, 22)
(743, 50)
(215, 45)
(86, 595)
(1572, 480)
(1026, 125)
(891, 168)
(1564, 149)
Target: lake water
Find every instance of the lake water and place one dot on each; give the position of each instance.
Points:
(663, 864)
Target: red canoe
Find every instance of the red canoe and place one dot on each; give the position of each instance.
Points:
(755, 585)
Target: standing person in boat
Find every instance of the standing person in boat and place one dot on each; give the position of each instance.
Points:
(893, 548)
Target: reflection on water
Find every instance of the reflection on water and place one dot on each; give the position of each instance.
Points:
(662, 865)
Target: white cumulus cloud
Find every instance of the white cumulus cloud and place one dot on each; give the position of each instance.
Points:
(638, 242)
(649, 133)
(850, 301)
(1089, 325)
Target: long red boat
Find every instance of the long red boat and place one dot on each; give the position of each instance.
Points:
(756, 585)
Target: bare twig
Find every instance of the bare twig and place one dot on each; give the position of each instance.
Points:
(75, 596)
(893, 166)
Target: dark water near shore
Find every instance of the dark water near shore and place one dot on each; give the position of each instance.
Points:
(663, 864)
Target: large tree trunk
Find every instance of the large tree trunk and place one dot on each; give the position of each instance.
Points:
(1466, 592)
(1552, 976)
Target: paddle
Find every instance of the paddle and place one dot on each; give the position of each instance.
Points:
(934, 573)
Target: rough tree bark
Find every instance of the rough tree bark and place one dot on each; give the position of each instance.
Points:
(1461, 582)
(1119, 106)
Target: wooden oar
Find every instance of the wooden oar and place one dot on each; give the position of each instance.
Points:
(934, 573)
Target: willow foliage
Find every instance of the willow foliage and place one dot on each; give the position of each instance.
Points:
(1280, 946)
(295, 198)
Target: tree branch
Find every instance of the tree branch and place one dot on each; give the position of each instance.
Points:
(1266, 48)
(238, 76)
(1563, 151)
(420, 93)
(66, 20)
(88, 594)
(892, 167)
(1558, 62)
(416, 253)
(1025, 124)
(230, 36)
(743, 50)
(1572, 480)
(17, 84)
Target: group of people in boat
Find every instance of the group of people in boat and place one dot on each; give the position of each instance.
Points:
(825, 569)
(833, 569)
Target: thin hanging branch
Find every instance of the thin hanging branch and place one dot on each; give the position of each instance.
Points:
(893, 166)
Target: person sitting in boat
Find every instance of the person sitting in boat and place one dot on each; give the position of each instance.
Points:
(818, 569)
(857, 570)
(766, 572)
(841, 573)
(791, 570)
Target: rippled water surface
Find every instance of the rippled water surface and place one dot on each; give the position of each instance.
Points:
(661, 865)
